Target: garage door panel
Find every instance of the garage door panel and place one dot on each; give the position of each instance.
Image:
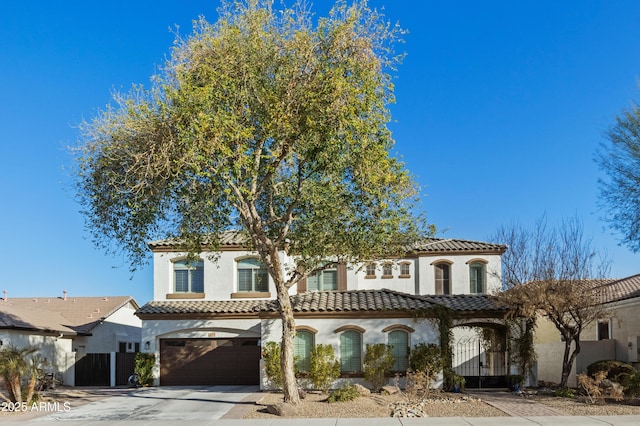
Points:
(209, 361)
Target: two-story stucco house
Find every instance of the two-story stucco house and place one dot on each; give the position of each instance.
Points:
(209, 319)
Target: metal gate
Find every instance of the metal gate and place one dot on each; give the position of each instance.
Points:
(93, 370)
(125, 366)
(482, 363)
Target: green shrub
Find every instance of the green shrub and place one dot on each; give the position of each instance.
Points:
(324, 368)
(378, 364)
(271, 355)
(564, 393)
(615, 369)
(631, 383)
(348, 392)
(144, 368)
(427, 361)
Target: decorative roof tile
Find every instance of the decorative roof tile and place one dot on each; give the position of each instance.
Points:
(353, 301)
(436, 245)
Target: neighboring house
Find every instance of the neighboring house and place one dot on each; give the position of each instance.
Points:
(616, 336)
(209, 319)
(64, 329)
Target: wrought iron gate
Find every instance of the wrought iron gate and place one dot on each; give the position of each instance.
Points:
(482, 363)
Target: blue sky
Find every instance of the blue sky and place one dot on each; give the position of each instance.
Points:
(500, 107)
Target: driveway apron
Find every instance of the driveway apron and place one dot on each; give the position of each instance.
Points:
(163, 403)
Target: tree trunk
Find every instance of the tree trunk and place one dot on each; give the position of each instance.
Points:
(289, 384)
(568, 359)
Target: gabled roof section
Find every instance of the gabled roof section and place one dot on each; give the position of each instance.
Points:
(70, 316)
(452, 245)
(621, 289)
(329, 302)
(228, 239)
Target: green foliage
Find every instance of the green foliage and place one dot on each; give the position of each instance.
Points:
(631, 383)
(523, 348)
(615, 369)
(144, 368)
(324, 367)
(271, 355)
(425, 362)
(378, 364)
(347, 392)
(18, 366)
(269, 121)
(564, 393)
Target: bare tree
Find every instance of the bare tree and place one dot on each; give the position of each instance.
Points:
(554, 273)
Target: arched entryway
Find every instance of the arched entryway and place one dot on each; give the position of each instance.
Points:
(480, 354)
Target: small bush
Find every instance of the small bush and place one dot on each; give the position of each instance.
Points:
(144, 368)
(378, 363)
(631, 383)
(348, 392)
(615, 369)
(597, 388)
(324, 368)
(271, 355)
(425, 362)
(564, 393)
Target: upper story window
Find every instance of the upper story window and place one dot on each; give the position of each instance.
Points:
(188, 276)
(477, 278)
(324, 280)
(604, 329)
(252, 276)
(387, 270)
(371, 270)
(443, 278)
(405, 270)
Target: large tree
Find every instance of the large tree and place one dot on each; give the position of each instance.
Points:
(267, 121)
(620, 190)
(555, 273)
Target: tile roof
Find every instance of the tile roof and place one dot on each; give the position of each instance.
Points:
(426, 245)
(201, 307)
(75, 315)
(621, 289)
(438, 245)
(353, 301)
(231, 238)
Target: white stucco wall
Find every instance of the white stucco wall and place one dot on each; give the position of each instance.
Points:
(121, 326)
(55, 351)
(460, 278)
(425, 332)
(220, 276)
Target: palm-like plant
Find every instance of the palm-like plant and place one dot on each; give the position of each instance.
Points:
(14, 364)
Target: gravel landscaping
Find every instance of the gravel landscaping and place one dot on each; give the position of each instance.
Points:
(439, 404)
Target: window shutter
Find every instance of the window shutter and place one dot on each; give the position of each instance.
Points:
(399, 341)
(350, 351)
(303, 344)
(341, 276)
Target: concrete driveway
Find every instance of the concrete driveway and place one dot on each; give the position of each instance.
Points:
(165, 403)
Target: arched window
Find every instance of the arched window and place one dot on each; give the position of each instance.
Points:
(387, 270)
(443, 278)
(477, 277)
(399, 342)
(350, 351)
(188, 276)
(303, 345)
(252, 276)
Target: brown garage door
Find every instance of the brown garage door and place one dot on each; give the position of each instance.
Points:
(185, 362)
